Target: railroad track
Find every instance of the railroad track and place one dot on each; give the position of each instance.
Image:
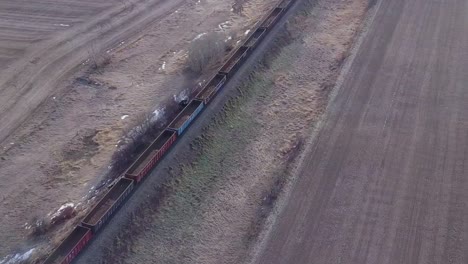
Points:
(103, 211)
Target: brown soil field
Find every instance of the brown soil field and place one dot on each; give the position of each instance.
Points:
(24, 24)
(62, 120)
(386, 181)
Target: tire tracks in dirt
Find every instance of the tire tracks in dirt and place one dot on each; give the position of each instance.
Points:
(30, 80)
(383, 180)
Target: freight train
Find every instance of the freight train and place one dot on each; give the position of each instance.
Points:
(116, 196)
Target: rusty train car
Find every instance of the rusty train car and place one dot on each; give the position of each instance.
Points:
(103, 211)
(148, 159)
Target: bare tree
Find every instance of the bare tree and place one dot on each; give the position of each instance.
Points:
(204, 50)
(97, 58)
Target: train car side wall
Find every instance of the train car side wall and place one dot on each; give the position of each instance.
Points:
(70, 247)
(77, 249)
(253, 41)
(270, 21)
(220, 84)
(158, 156)
(166, 146)
(114, 207)
(154, 158)
(136, 178)
(103, 220)
(190, 119)
(206, 97)
(236, 60)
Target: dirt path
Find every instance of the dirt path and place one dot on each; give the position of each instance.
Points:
(385, 181)
(28, 81)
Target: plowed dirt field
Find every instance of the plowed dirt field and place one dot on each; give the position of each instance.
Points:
(386, 179)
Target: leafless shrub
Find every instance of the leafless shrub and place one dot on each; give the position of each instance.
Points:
(238, 7)
(40, 225)
(138, 135)
(98, 59)
(99, 62)
(205, 50)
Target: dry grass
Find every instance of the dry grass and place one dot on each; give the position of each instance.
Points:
(98, 62)
(181, 199)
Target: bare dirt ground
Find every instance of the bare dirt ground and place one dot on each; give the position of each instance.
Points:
(385, 181)
(77, 119)
(217, 204)
(25, 23)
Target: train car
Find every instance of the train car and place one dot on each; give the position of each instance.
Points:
(255, 38)
(234, 62)
(148, 159)
(211, 88)
(108, 205)
(270, 21)
(286, 4)
(188, 114)
(71, 246)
